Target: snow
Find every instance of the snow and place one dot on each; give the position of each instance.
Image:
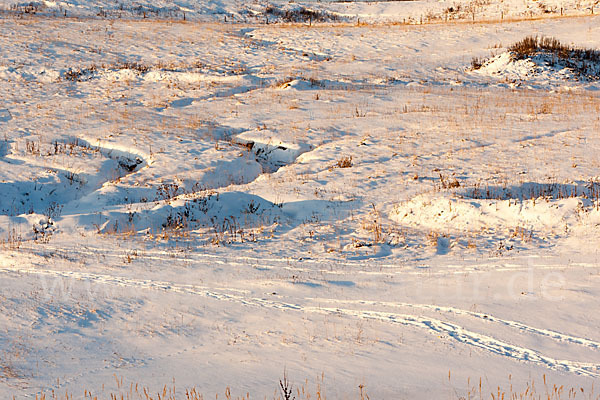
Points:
(216, 203)
(541, 69)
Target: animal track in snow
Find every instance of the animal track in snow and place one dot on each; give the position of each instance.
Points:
(432, 325)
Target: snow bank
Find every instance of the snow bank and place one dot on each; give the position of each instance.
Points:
(477, 216)
(543, 68)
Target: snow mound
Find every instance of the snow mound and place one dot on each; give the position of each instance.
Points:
(535, 218)
(542, 66)
(131, 72)
(271, 151)
(202, 209)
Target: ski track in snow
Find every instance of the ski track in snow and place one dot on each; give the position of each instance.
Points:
(432, 325)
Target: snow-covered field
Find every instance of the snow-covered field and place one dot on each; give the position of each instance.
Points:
(208, 204)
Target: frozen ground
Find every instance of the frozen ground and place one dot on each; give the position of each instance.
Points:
(214, 203)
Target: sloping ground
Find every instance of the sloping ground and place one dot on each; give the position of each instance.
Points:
(339, 201)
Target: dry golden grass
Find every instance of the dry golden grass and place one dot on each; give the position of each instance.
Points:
(285, 389)
(532, 390)
(13, 239)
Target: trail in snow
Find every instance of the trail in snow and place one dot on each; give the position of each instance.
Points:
(432, 325)
(487, 317)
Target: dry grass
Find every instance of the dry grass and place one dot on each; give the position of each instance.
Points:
(299, 15)
(583, 62)
(287, 390)
(284, 389)
(534, 191)
(532, 45)
(530, 391)
(344, 162)
(13, 239)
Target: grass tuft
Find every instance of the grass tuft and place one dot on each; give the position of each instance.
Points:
(533, 45)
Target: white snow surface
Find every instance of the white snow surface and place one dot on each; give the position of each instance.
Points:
(211, 204)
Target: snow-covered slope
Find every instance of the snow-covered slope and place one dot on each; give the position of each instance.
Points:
(353, 204)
